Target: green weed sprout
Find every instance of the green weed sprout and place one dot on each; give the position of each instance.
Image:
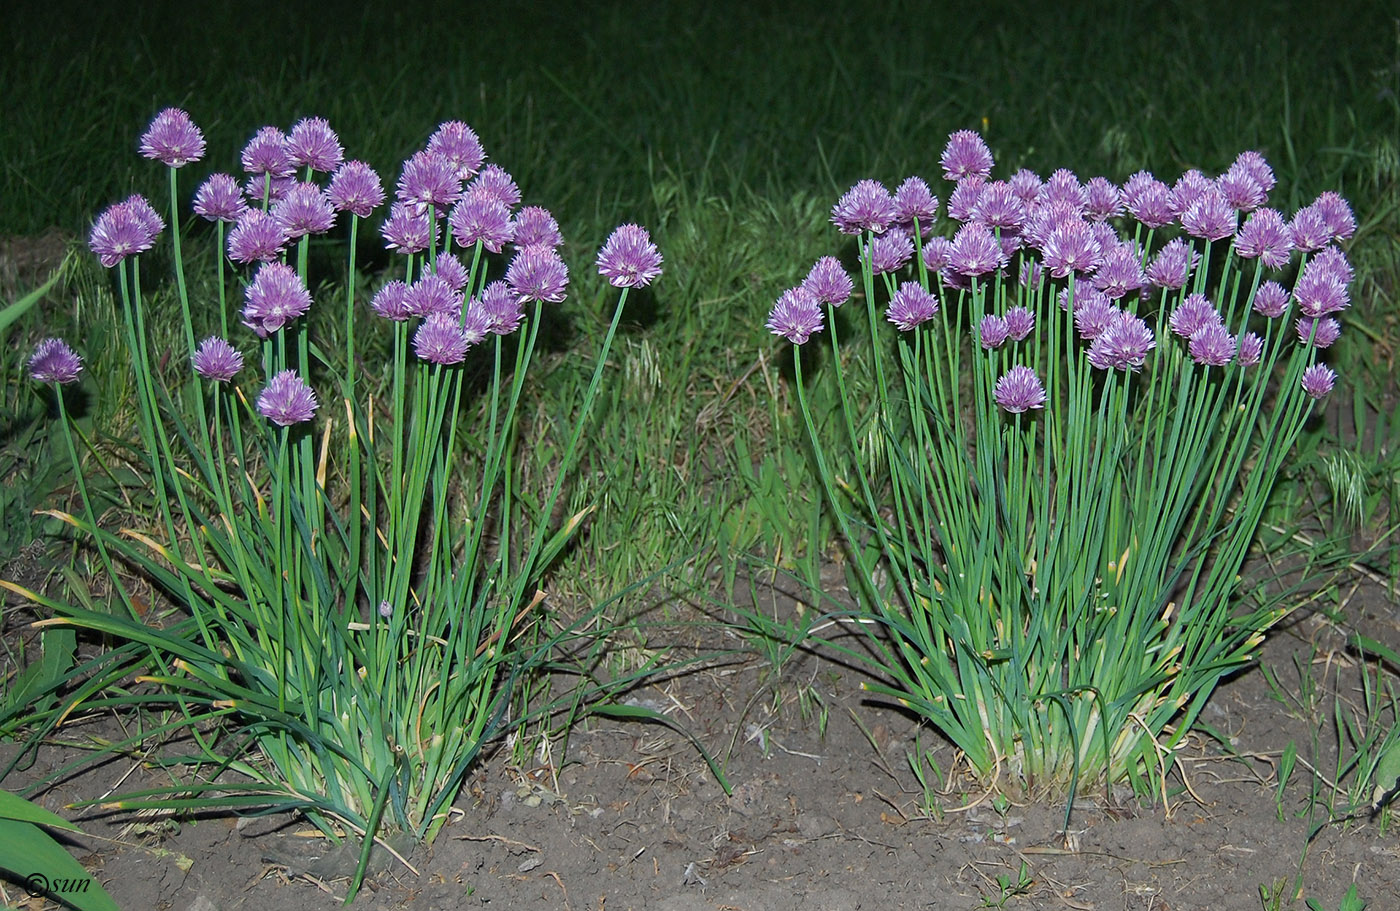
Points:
(1089, 395)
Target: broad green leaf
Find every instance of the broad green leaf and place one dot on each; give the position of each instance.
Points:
(31, 855)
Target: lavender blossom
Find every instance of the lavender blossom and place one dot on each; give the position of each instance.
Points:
(962, 202)
(1192, 314)
(456, 142)
(1318, 380)
(1019, 390)
(1336, 214)
(1212, 345)
(215, 359)
(1071, 247)
(440, 340)
(914, 200)
(998, 206)
(1320, 333)
(1318, 293)
(1209, 215)
(1240, 188)
(452, 271)
(1333, 260)
(355, 188)
(173, 139)
(1092, 315)
(1310, 230)
(391, 301)
(408, 231)
(304, 210)
(432, 294)
(313, 144)
(628, 258)
(1148, 200)
(54, 362)
(263, 189)
(938, 253)
(124, 229)
(1019, 323)
(1251, 350)
(258, 237)
(220, 199)
(966, 155)
(428, 180)
(910, 306)
(993, 331)
(274, 298)
(1026, 184)
(867, 206)
(1188, 188)
(975, 250)
(535, 227)
(287, 400)
(1122, 345)
(266, 154)
(1102, 200)
(495, 182)
(481, 218)
(1120, 271)
(1265, 235)
(1063, 187)
(889, 252)
(796, 316)
(500, 307)
(1172, 266)
(1258, 168)
(828, 282)
(538, 274)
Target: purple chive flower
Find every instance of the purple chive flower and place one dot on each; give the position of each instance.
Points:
(889, 252)
(1319, 293)
(456, 142)
(1212, 346)
(304, 210)
(1336, 213)
(998, 206)
(313, 144)
(962, 202)
(124, 229)
(428, 180)
(1120, 271)
(173, 139)
(1251, 350)
(1122, 345)
(1026, 184)
(975, 250)
(408, 231)
(220, 199)
(287, 400)
(1196, 312)
(867, 206)
(54, 362)
(828, 282)
(1043, 218)
(1063, 187)
(1019, 323)
(500, 307)
(1029, 276)
(1270, 300)
(391, 301)
(1102, 200)
(452, 271)
(1173, 264)
(966, 155)
(264, 189)
(1318, 380)
(938, 253)
(629, 259)
(1210, 215)
(535, 227)
(993, 331)
(1187, 189)
(795, 316)
(274, 298)
(538, 274)
(910, 306)
(1019, 390)
(495, 182)
(215, 359)
(481, 218)
(1071, 247)
(355, 188)
(1265, 235)
(1148, 200)
(914, 200)
(1240, 188)
(258, 237)
(1333, 260)
(476, 323)
(1092, 315)
(440, 340)
(432, 294)
(266, 153)
(1258, 168)
(1320, 333)
(1310, 230)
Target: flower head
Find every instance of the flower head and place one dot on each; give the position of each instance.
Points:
(889, 252)
(220, 199)
(796, 316)
(1210, 215)
(1093, 313)
(628, 258)
(1192, 314)
(355, 188)
(828, 282)
(1122, 345)
(215, 359)
(1172, 265)
(313, 144)
(1019, 390)
(432, 294)
(287, 400)
(1318, 380)
(428, 180)
(500, 306)
(1212, 345)
(456, 142)
(1270, 300)
(998, 206)
(538, 274)
(452, 271)
(406, 230)
(1026, 184)
(1265, 235)
(914, 200)
(1319, 292)
(1251, 350)
(1187, 189)
(494, 181)
(440, 340)
(258, 237)
(1336, 214)
(535, 227)
(1241, 188)
(910, 306)
(391, 301)
(1320, 333)
(1019, 323)
(975, 250)
(1071, 247)
(1102, 200)
(1148, 200)
(1254, 163)
(274, 298)
(1310, 230)
(1120, 271)
(304, 210)
(481, 218)
(993, 331)
(265, 189)
(54, 362)
(867, 206)
(962, 202)
(124, 229)
(173, 139)
(966, 155)
(266, 153)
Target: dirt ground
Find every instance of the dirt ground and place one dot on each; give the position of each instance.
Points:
(631, 818)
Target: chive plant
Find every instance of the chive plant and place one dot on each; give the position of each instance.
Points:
(1083, 398)
(355, 605)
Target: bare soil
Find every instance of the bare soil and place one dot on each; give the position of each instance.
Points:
(628, 816)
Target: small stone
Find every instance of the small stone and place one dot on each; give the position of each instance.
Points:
(815, 825)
